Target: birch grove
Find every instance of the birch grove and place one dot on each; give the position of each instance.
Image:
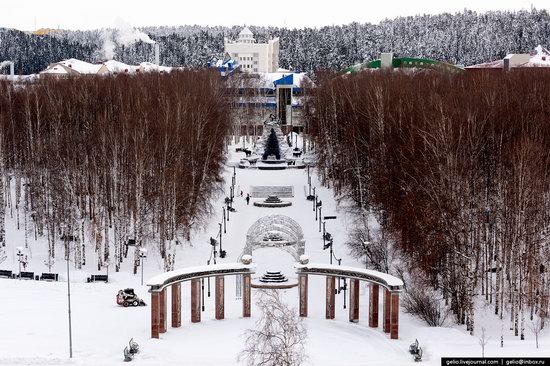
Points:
(102, 162)
(455, 169)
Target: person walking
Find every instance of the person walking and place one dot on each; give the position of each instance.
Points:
(247, 199)
(241, 193)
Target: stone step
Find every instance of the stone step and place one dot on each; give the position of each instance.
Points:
(266, 191)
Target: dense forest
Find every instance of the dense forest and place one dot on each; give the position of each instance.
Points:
(463, 38)
(125, 160)
(456, 170)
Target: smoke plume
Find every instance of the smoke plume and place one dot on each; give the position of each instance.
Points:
(123, 34)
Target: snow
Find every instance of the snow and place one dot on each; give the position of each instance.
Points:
(112, 66)
(384, 277)
(539, 57)
(246, 31)
(34, 318)
(119, 67)
(161, 279)
(82, 67)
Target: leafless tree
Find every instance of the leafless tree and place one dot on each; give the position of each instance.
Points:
(280, 337)
(425, 303)
(536, 327)
(483, 340)
(455, 169)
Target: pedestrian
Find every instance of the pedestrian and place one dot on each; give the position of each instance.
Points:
(241, 193)
(247, 198)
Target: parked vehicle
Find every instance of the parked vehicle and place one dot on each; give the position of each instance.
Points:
(127, 297)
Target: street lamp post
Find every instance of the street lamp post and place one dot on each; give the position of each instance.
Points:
(320, 208)
(227, 200)
(324, 234)
(208, 263)
(224, 219)
(142, 254)
(213, 242)
(222, 252)
(202, 292)
(20, 256)
(66, 238)
(316, 209)
(308, 179)
(345, 288)
(314, 199)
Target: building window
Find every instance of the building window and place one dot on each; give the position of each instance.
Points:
(255, 62)
(255, 69)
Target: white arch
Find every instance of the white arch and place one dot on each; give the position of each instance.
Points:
(275, 231)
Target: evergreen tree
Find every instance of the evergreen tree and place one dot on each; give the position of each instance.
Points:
(272, 147)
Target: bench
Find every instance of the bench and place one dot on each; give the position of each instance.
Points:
(96, 278)
(49, 276)
(6, 273)
(29, 275)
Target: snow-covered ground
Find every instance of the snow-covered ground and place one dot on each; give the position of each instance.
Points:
(34, 321)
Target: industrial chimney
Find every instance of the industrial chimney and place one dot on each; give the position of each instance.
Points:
(157, 54)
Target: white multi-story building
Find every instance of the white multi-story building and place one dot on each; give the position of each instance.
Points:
(251, 56)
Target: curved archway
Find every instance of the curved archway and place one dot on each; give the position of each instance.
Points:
(275, 231)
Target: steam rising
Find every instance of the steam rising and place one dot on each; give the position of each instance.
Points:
(123, 34)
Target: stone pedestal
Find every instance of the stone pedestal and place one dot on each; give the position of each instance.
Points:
(195, 301)
(246, 295)
(220, 296)
(387, 307)
(373, 305)
(330, 297)
(354, 300)
(163, 312)
(155, 314)
(394, 326)
(303, 285)
(176, 305)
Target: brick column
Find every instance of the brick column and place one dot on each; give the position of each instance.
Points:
(387, 307)
(302, 282)
(155, 315)
(163, 314)
(246, 295)
(354, 300)
(394, 326)
(195, 301)
(220, 297)
(373, 308)
(176, 305)
(330, 297)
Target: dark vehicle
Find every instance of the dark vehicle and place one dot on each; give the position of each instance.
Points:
(127, 297)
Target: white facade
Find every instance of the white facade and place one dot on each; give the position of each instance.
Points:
(251, 56)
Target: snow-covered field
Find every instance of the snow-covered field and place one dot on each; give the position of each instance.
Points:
(34, 321)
